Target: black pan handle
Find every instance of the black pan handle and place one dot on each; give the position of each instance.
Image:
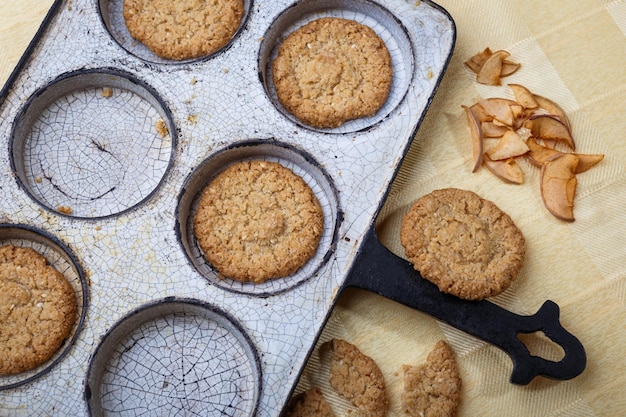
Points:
(378, 270)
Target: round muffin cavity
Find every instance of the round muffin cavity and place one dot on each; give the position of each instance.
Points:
(183, 29)
(37, 309)
(463, 243)
(258, 220)
(332, 70)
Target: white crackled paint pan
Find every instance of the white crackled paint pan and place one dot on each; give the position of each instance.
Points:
(104, 150)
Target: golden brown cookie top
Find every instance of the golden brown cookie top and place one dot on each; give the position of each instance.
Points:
(310, 403)
(432, 389)
(332, 70)
(183, 29)
(258, 220)
(37, 309)
(463, 243)
(358, 378)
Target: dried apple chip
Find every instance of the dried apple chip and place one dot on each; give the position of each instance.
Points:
(510, 145)
(547, 127)
(493, 130)
(523, 96)
(586, 161)
(509, 67)
(477, 137)
(507, 169)
(537, 153)
(552, 108)
(501, 110)
(476, 62)
(558, 185)
(490, 72)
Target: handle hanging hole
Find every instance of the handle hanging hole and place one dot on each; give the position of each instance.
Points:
(538, 344)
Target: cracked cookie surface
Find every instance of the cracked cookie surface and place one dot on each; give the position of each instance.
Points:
(258, 220)
(332, 70)
(37, 309)
(462, 243)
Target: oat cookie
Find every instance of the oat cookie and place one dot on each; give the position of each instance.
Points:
(310, 403)
(37, 309)
(183, 29)
(258, 220)
(357, 378)
(332, 70)
(462, 243)
(432, 389)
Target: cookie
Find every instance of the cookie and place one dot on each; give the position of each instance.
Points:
(37, 309)
(462, 243)
(183, 29)
(310, 403)
(432, 389)
(358, 378)
(332, 70)
(258, 220)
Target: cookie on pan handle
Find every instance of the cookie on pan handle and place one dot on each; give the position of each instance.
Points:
(378, 270)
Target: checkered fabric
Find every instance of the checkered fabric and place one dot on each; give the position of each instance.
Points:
(575, 54)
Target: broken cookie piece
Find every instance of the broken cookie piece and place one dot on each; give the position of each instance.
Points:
(432, 389)
(310, 403)
(358, 378)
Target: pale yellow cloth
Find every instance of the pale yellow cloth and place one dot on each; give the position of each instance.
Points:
(575, 53)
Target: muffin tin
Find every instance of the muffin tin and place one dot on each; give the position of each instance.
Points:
(107, 148)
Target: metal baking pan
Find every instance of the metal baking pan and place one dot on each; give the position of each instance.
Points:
(106, 148)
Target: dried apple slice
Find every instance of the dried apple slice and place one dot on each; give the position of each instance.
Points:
(473, 65)
(502, 109)
(586, 161)
(493, 130)
(537, 153)
(558, 185)
(547, 127)
(480, 113)
(477, 137)
(523, 96)
(554, 109)
(489, 73)
(476, 62)
(509, 67)
(507, 169)
(510, 145)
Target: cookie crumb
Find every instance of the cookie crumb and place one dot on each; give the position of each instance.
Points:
(65, 209)
(161, 127)
(107, 92)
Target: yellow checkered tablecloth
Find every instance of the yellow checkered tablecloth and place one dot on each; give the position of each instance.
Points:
(575, 54)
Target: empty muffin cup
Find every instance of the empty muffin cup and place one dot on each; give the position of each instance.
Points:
(174, 357)
(92, 144)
